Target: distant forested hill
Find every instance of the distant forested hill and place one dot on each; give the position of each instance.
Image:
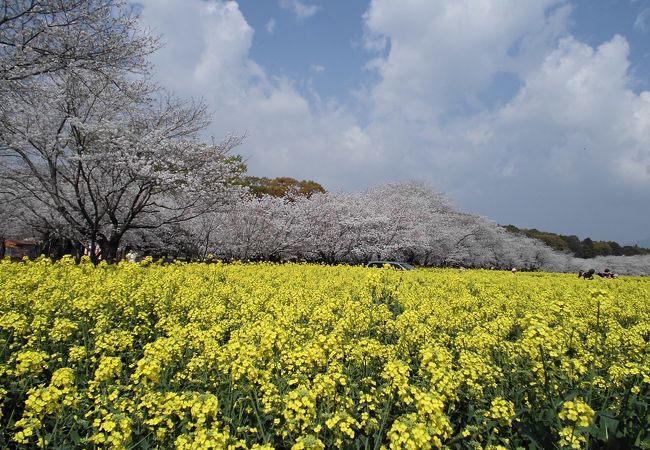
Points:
(586, 248)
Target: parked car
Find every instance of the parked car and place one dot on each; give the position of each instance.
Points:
(394, 264)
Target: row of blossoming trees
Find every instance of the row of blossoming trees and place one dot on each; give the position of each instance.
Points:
(405, 221)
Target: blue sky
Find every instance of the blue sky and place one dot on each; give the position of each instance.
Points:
(532, 113)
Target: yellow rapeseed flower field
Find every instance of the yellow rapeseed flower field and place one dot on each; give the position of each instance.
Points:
(261, 356)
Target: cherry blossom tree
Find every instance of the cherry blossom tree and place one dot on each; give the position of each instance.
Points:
(89, 147)
(108, 160)
(343, 227)
(420, 222)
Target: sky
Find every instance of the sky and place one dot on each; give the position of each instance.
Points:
(532, 113)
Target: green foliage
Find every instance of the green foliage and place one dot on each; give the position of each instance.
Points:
(282, 187)
(587, 248)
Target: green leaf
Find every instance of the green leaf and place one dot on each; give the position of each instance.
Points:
(642, 441)
(533, 444)
(75, 437)
(607, 427)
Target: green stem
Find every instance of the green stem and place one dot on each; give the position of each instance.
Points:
(260, 424)
(384, 419)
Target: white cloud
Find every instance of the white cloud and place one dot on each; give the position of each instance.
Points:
(317, 68)
(574, 134)
(299, 9)
(358, 146)
(577, 118)
(208, 56)
(206, 45)
(441, 55)
(570, 129)
(642, 22)
(270, 26)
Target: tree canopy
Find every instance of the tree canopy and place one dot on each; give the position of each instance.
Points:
(282, 187)
(47, 36)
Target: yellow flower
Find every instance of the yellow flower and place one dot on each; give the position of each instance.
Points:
(110, 367)
(501, 410)
(569, 438)
(63, 378)
(308, 442)
(578, 412)
(30, 363)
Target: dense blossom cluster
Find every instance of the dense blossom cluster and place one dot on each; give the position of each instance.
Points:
(302, 356)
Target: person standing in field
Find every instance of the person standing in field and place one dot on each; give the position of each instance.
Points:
(131, 256)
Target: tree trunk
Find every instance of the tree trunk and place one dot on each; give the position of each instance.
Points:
(109, 251)
(110, 247)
